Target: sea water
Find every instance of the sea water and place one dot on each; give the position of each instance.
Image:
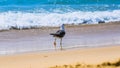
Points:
(38, 13)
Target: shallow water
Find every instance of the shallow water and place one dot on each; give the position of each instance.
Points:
(15, 41)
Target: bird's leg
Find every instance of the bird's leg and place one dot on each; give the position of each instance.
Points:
(61, 43)
(55, 43)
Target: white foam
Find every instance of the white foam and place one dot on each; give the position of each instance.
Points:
(27, 20)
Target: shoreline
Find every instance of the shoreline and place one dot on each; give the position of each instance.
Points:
(67, 25)
(53, 50)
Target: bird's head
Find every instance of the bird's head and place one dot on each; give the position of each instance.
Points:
(62, 27)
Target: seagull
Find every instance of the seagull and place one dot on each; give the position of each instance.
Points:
(59, 34)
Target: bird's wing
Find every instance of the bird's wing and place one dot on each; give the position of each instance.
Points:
(60, 33)
(57, 33)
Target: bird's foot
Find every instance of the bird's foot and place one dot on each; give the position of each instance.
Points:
(55, 45)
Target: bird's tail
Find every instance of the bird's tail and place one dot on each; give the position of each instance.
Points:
(52, 33)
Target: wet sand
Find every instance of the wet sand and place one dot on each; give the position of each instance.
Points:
(90, 44)
(76, 37)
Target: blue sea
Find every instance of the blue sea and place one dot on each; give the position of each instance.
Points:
(42, 13)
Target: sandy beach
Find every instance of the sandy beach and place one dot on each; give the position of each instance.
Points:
(91, 30)
(107, 35)
(49, 59)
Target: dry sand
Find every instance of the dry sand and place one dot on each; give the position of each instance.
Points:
(47, 59)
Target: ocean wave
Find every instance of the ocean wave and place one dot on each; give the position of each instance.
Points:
(21, 20)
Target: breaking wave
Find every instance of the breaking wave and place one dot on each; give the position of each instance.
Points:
(22, 20)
